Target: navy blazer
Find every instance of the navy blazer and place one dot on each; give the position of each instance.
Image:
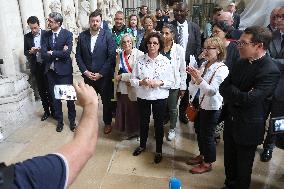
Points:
(102, 59)
(62, 60)
(28, 44)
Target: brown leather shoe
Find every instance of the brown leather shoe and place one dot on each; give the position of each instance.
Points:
(107, 129)
(202, 168)
(195, 161)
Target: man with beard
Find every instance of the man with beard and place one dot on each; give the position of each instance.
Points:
(189, 37)
(95, 54)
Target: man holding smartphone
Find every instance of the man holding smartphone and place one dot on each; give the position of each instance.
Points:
(56, 50)
(32, 47)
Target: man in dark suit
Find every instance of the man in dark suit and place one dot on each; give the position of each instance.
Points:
(187, 35)
(272, 24)
(250, 82)
(56, 50)
(236, 17)
(95, 55)
(276, 50)
(32, 47)
(227, 17)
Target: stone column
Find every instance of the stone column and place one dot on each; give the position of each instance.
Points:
(47, 10)
(35, 10)
(93, 5)
(11, 20)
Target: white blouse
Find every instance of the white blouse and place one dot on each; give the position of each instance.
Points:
(158, 68)
(179, 66)
(212, 99)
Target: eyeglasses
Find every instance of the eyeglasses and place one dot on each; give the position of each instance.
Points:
(154, 43)
(243, 43)
(209, 48)
(279, 16)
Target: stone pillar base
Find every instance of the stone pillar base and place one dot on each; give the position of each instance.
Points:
(16, 103)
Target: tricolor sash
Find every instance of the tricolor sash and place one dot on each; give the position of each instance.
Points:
(124, 66)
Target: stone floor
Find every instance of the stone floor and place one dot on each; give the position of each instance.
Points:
(113, 165)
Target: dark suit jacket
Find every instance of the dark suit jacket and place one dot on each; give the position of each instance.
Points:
(245, 92)
(28, 44)
(194, 40)
(62, 60)
(278, 55)
(102, 57)
(237, 19)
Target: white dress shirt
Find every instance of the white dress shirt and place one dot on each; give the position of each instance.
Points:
(212, 99)
(158, 68)
(184, 33)
(37, 39)
(53, 41)
(94, 40)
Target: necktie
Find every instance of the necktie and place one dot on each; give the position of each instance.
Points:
(282, 42)
(55, 39)
(180, 35)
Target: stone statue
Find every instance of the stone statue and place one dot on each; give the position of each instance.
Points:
(70, 22)
(84, 12)
(55, 6)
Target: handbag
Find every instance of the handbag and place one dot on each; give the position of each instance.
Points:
(191, 110)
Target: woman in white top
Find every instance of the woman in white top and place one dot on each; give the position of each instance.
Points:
(176, 54)
(127, 117)
(205, 82)
(152, 79)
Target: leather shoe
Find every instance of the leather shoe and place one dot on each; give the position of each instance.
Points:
(138, 151)
(45, 116)
(59, 127)
(158, 158)
(107, 129)
(195, 161)
(266, 155)
(183, 118)
(72, 127)
(201, 168)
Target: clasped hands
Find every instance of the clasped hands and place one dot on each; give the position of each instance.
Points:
(152, 83)
(93, 76)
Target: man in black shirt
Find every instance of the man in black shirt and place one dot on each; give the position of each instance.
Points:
(250, 82)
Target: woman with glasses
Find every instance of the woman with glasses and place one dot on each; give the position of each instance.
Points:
(175, 53)
(127, 117)
(206, 82)
(151, 78)
(148, 23)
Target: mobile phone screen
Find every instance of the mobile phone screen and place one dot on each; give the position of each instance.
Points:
(65, 92)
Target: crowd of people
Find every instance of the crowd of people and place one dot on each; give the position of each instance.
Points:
(155, 65)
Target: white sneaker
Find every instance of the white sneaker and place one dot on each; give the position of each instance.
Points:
(171, 134)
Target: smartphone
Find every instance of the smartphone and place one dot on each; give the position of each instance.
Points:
(65, 92)
(277, 124)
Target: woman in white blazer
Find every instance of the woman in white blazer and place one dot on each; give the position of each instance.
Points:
(205, 82)
(176, 54)
(127, 116)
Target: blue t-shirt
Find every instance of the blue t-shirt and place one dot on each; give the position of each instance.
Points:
(44, 172)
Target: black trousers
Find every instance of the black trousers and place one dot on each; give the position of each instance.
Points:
(184, 100)
(55, 79)
(277, 110)
(238, 160)
(205, 126)
(42, 85)
(158, 108)
(103, 86)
